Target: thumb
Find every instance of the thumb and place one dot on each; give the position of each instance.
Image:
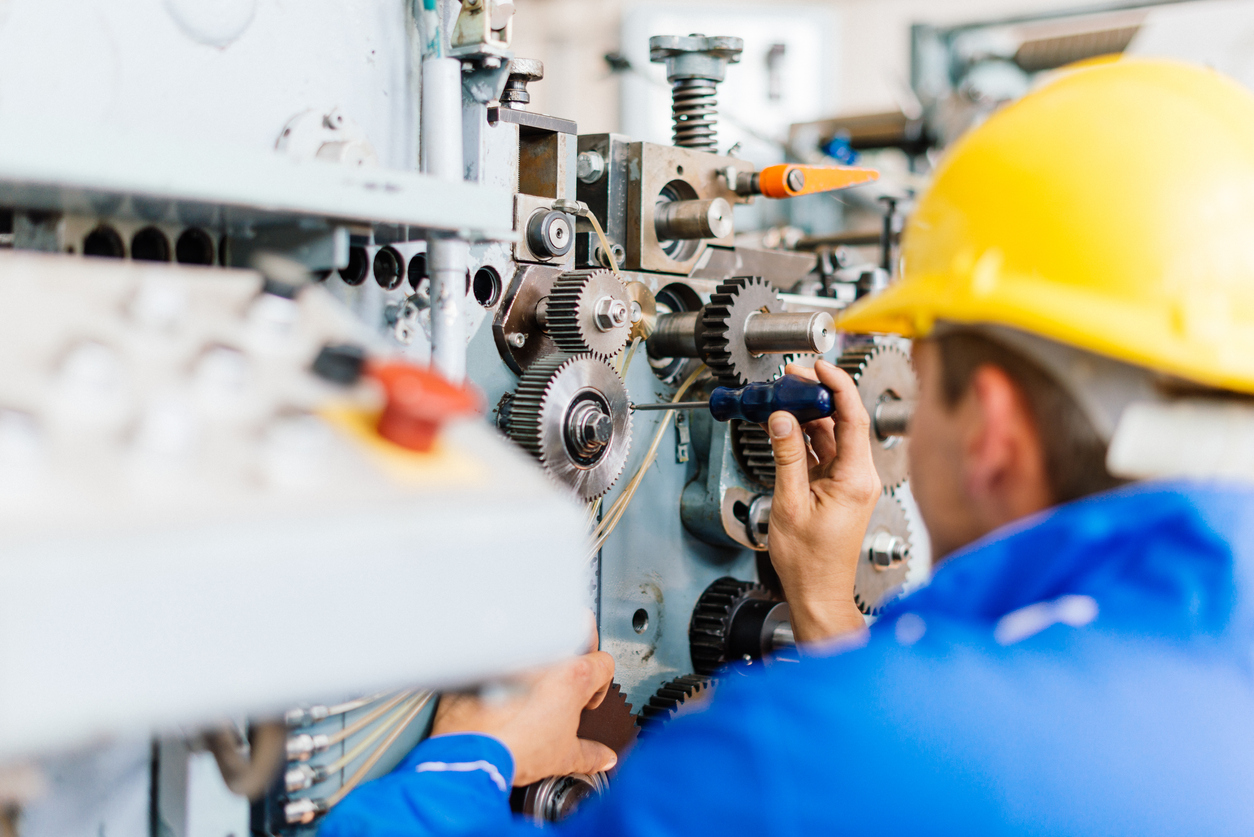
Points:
(792, 463)
(592, 756)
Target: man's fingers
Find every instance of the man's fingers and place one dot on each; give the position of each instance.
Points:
(822, 433)
(592, 674)
(852, 426)
(792, 464)
(801, 371)
(591, 757)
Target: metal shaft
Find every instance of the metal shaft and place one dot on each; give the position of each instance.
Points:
(446, 257)
(675, 335)
(693, 219)
(892, 418)
(673, 405)
(780, 333)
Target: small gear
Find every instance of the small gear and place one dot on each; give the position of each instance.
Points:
(883, 373)
(709, 631)
(573, 415)
(673, 698)
(751, 446)
(885, 557)
(611, 723)
(721, 335)
(589, 312)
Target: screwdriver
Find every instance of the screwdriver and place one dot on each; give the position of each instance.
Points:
(807, 400)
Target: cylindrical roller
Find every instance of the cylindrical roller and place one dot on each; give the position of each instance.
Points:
(892, 418)
(675, 335)
(779, 333)
(693, 219)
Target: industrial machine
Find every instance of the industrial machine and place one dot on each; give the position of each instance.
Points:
(341, 434)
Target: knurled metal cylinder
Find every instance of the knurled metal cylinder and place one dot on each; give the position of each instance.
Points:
(693, 219)
(809, 332)
(675, 335)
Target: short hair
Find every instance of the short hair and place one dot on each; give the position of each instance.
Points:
(1075, 453)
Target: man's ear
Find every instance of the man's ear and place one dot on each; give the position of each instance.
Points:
(1002, 462)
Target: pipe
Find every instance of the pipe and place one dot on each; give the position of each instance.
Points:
(447, 257)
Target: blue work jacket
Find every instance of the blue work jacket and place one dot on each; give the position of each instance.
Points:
(1083, 672)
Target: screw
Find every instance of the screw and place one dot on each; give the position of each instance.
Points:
(796, 179)
(517, 339)
(611, 313)
(589, 166)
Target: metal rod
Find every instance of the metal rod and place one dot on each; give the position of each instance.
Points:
(672, 405)
(892, 418)
(675, 335)
(790, 332)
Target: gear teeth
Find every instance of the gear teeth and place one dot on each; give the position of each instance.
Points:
(711, 620)
(716, 323)
(752, 446)
(569, 318)
(669, 699)
(533, 389)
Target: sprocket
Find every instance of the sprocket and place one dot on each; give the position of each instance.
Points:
(721, 336)
(579, 317)
(883, 373)
(885, 557)
(710, 628)
(573, 415)
(673, 698)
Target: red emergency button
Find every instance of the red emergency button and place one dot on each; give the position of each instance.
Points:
(418, 402)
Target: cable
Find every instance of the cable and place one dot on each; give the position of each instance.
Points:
(358, 703)
(366, 720)
(361, 746)
(357, 777)
(619, 507)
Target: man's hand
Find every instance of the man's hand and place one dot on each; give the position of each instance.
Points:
(539, 725)
(824, 495)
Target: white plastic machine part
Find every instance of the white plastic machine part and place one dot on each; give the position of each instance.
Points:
(185, 536)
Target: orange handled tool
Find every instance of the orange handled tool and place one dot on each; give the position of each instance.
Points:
(787, 180)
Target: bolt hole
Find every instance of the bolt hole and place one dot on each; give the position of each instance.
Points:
(150, 245)
(358, 265)
(388, 271)
(741, 511)
(104, 241)
(487, 286)
(679, 169)
(194, 246)
(640, 621)
(417, 269)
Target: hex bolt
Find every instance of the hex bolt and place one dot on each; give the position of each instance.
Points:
(589, 166)
(611, 313)
(887, 550)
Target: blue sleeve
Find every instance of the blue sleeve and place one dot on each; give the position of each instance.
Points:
(710, 771)
(450, 785)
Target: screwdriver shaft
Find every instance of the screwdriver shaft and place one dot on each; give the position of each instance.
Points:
(672, 405)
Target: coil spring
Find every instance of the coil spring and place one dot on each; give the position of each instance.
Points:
(695, 112)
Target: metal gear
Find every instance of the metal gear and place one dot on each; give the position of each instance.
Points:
(885, 557)
(611, 723)
(573, 415)
(721, 336)
(589, 312)
(673, 698)
(883, 373)
(710, 627)
(751, 446)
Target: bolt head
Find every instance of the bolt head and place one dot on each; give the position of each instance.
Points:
(611, 313)
(517, 339)
(796, 179)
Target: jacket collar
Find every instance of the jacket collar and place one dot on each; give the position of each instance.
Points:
(1153, 552)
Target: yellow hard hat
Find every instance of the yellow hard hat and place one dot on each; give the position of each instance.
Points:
(1112, 209)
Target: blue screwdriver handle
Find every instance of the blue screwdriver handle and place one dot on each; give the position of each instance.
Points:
(807, 400)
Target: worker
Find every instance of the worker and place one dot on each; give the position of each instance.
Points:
(1081, 662)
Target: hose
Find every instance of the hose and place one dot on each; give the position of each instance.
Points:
(249, 774)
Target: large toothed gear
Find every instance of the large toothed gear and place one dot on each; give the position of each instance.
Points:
(611, 723)
(883, 373)
(709, 631)
(589, 312)
(885, 557)
(722, 333)
(573, 415)
(673, 698)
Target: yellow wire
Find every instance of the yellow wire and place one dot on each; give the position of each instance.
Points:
(361, 746)
(605, 244)
(619, 507)
(415, 707)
